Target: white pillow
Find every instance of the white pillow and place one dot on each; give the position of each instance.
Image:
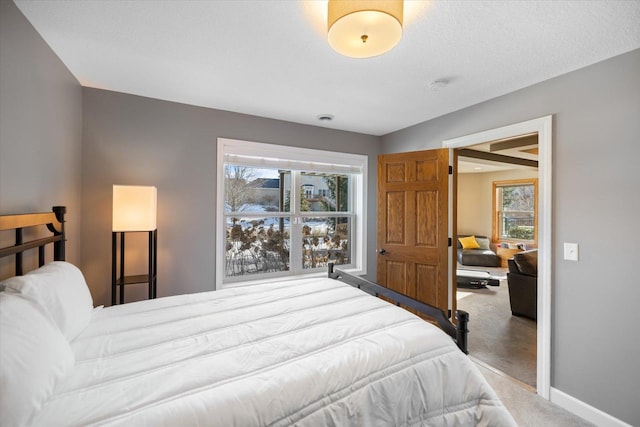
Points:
(60, 288)
(34, 357)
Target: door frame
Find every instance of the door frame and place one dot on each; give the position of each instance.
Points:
(543, 127)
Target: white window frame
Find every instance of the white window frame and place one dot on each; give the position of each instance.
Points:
(498, 209)
(295, 158)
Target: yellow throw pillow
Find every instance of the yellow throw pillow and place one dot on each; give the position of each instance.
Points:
(469, 242)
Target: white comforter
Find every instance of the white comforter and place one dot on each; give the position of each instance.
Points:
(304, 352)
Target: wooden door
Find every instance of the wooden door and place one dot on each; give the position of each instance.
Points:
(413, 224)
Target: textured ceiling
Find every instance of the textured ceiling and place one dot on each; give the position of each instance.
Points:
(271, 58)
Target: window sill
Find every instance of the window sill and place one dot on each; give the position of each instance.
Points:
(263, 280)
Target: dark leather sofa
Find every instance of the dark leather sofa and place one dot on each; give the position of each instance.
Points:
(482, 256)
(522, 279)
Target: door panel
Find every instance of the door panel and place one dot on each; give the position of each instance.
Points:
(412, 224)
(427, 171)
(426, 218)
(396, 209)
(427, 275)
(395, 172)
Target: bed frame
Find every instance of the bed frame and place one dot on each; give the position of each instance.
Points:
(54, 222)
(457, 331)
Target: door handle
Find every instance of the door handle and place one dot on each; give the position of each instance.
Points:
(382, 251)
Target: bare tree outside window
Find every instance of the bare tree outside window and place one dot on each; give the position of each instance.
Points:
(338, 189)
(239, 188)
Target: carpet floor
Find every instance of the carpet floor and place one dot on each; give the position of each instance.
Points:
(496, 337)
(527, 408)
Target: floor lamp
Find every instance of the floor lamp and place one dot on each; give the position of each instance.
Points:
(134, 210)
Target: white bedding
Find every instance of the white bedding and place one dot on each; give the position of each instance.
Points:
(305, 352)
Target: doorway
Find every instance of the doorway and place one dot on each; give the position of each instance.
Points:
(497, 203)
(541, 127)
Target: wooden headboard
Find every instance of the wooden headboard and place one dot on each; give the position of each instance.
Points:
(54, 222)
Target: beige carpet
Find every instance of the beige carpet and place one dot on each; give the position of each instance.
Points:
(527, 408)
(503, 341)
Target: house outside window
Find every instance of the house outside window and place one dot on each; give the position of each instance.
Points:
(309, 190)
(515, 204)
(285, 211)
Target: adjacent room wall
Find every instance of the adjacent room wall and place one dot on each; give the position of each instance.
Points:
(596, 135)
(40, 131)
(475, 199)
(134, 140)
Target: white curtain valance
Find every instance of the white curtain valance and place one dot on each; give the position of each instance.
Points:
(273, 156)
(286, 164)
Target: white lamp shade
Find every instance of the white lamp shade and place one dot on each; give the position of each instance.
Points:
(134, 208)
(364, 28)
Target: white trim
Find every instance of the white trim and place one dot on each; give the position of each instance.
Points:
(299, 159)
(451, 258)
(584, 410)
(543, 126)
(220, 261)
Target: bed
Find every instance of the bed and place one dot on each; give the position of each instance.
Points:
(307, 352)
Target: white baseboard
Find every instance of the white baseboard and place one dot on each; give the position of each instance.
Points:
(581, 409)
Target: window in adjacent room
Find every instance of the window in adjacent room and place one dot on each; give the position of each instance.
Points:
(285, 211)
(515, 204)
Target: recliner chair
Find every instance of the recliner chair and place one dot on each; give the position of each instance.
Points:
(522, 279)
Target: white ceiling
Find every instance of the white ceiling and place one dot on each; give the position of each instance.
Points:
(271, 58)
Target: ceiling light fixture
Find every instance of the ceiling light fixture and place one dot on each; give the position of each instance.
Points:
(364, 28)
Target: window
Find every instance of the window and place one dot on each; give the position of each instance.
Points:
(515, 206)
(286, 211)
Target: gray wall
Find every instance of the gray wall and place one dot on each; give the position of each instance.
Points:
(135, 140)
(40, 130)
(596, 202)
